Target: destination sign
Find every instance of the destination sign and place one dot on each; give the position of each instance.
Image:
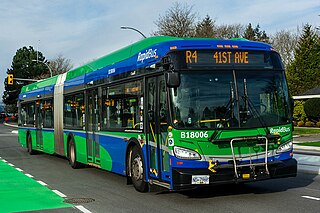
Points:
(194, 58)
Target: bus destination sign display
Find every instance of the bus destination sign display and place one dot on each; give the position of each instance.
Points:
(195, 58)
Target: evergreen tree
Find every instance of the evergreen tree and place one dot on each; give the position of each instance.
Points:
(205, 28)
(249, 33)
(255, 34)
(304, 72)
(23, 67)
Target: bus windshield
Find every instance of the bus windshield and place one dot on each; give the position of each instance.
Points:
(230, 99)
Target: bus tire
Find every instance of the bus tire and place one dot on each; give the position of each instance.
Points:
(138, 175)
(72, 156)
(29, 145)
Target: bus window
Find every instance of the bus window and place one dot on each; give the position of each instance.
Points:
(78, 111)
(30, 114)
(67, 117)
(74, 111)
(122, 106)
(47, 111)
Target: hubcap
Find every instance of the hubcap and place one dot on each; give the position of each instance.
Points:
(72, 154)
(137, 169)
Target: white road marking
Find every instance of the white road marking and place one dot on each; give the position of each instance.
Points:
(312, 198)
(4, 160)
(84, 210)
(10, 164)
(59, 193)
(15, 131)
(20, 170)
(30, 176)
(42, 183)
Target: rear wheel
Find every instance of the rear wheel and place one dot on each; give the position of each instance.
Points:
(72, 155)
(29, 145)
(137, 170)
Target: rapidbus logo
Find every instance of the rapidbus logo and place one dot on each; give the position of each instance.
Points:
(280, 130)
(150, 53)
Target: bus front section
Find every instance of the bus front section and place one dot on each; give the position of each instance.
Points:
(230, 116)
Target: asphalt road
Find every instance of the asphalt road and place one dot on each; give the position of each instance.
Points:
(108, 192)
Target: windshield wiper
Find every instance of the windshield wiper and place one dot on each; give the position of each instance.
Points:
(230, 109)
(249, 105)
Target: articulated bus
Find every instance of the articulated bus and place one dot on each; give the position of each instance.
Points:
(174, 112)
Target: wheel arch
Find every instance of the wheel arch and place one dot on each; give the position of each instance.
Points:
(27, 136)
(132, 142)
(69, 139)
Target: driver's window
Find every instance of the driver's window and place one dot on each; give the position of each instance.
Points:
(163, 105)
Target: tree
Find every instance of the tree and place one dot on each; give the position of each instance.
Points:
(205, 28)
(229, 31)
(285, 43)
(24, 67)
(58, 65)
(249, 33)
(178, 21)
(304, 71)
(255, 34)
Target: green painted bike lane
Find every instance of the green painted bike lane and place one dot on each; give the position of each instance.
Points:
(19, 193)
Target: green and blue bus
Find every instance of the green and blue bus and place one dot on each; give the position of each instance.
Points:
(175, 112)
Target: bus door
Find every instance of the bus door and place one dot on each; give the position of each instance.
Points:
(92, 126)
(157, 125)
(39, 124)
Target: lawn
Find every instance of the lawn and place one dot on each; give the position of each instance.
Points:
(309, 144)
(305, 131)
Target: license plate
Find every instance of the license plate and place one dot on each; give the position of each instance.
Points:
(245, 176)
(200, 179)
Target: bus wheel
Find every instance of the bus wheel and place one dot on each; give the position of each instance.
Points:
(29, 145)
(72, 156)
(137, 170)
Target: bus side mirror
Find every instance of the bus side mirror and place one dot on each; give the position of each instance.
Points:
(173, 79)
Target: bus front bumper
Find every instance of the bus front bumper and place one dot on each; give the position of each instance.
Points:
(183, 178)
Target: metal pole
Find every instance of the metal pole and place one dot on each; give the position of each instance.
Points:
(131, 28)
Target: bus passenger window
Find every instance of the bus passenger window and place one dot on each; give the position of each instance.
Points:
(30, 114)
(23, 116)
(78, 111)
(122, 107)
(67, 117)
(47, 112)
(114, 106)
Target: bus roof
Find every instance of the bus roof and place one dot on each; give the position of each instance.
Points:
(139, 54)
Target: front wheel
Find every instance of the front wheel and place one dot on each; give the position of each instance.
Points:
(72, 156)
(137, 170)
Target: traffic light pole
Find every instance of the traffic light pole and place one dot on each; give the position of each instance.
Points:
(26, 79)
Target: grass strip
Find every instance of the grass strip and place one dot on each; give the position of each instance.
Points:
(305, 131)
(317, 143)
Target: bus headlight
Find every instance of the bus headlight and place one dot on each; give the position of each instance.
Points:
(186, 154)
(285, 147)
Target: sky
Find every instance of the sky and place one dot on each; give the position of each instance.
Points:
(83, 30)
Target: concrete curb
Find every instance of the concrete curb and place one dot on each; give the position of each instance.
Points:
(11, 125)
(307, 171)
(310, 148)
